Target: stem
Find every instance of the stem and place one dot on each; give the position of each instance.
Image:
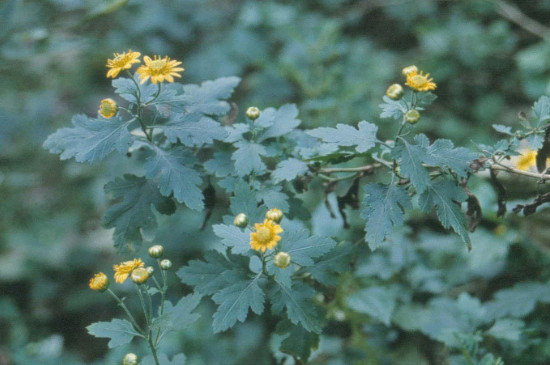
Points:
(162, 297)
(153, 350)
(130, 316)
(139, 116)
(143, 305)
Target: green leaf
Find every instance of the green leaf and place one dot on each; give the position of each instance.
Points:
(244, 201)
(173, 177)
(298, 303)
(119, 331)
(425, 99)
(193, 129)
(220, 165)
(541, 108)
(129, 90)
(248, 159)
(302, 247)
(299, 342)
(180, 316)
(503, 129)
(445, 194)
(443, 154)
(234, 237)
(392, 108)
(277, 123)
(507, 329)
(376, 301)
(272, 197)
(411, 157)
(206, 276)
(383, 207)
(345, 135)
(133, 213)
(289, 169)
(519, 300)
(90, 140)
(335, 261)
(208, 97)
(234, 302)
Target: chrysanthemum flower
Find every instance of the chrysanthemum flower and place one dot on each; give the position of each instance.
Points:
(266, 235)
(409, 69)
(99, 282)
(107, 108)
(122, 61)
(420, 82)
(159, 69)
(125, 268)
(527, 160)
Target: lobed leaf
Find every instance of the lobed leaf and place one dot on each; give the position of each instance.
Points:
(298, 303)
(302, 247)
(118, 331)
(345, 135)
(193, 129)
(206, 276)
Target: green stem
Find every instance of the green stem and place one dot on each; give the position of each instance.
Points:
(140, 294)
(153, 350)
(130, 316)
(139, 116)
(162, 297)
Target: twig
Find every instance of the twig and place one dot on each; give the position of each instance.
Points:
(515, 15)
(365, 169)
(512, 170)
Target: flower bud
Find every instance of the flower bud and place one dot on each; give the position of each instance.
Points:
(412, 116)
(253, 113)
(409, 69)
(166, 264)
(241, 220)
(130, 359)
(275, 215)
(156, 251)
(282, 260)
(99, 282)
(395, 92)
(107, 108)
(150, 270)
(139, 275)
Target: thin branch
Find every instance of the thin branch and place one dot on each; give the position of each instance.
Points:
(512, 170)
(515, 15)
(365, 169)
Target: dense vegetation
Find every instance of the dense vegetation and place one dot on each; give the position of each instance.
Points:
(412, 240)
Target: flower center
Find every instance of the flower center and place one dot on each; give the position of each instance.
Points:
(263, 235)
(157, 65)
(419, 80)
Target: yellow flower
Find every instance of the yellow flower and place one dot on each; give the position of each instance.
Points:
(125, 268)
(122, 61)
(266, 235)
(159, 69)
(527, 160)
(409, 69)
(107, 108)
(99, 282)
(420, 82)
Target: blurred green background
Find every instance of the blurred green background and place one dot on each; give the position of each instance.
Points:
(333, 58)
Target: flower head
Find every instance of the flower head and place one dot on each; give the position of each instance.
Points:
(274, 214)
(412, 116)
(122, 61)
(253, 113)
(527, 160)
(282, 260)
(241, 220)
(139, 275)
(125, 268)
(266, 235)
(130, 359)
(420, 82)
(395, 92)
(107, 108)
(409, 69)
(99, 282)
(159, 69)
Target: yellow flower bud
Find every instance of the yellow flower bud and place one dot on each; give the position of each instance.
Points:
(107, 108)
(395, 92)
(253, 113)
(139, 275)
(99, 282)
(412, 116)
(275, 215)
(241, 220)
(156, 251)
(130, 359)
(166, 264)
(409, 69)
(150, 270)
(282, 260)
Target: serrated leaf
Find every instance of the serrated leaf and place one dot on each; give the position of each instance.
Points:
(411, 157)
(235, 238)
(425, 99)
(298, 303)
(392, 109)
(345, 135)
(376, 301)
(519, 300)
(235, 301)
(541, 108)
(445, 194)
(383, 207)
(208, 97)
(507, 329)
(173, 177)
(277, 122)
(535, 141)
(119, 331)
(244, 201)
(442, 153)
(289, 169)
(503, 129)
(193, 129)
(299, 342)
(220, 165)
(302, 247)
(129, 90)
(206, 276)
(336, 261)
(180, 315)
(248, 159)
(273, 198)
(133, 213)
(90, 140)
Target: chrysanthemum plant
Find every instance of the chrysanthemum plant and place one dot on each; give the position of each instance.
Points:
(263, 161)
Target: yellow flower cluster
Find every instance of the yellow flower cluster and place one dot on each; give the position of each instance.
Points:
(157, 69)
(266, 234)
(124, 269)
(417, 80)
